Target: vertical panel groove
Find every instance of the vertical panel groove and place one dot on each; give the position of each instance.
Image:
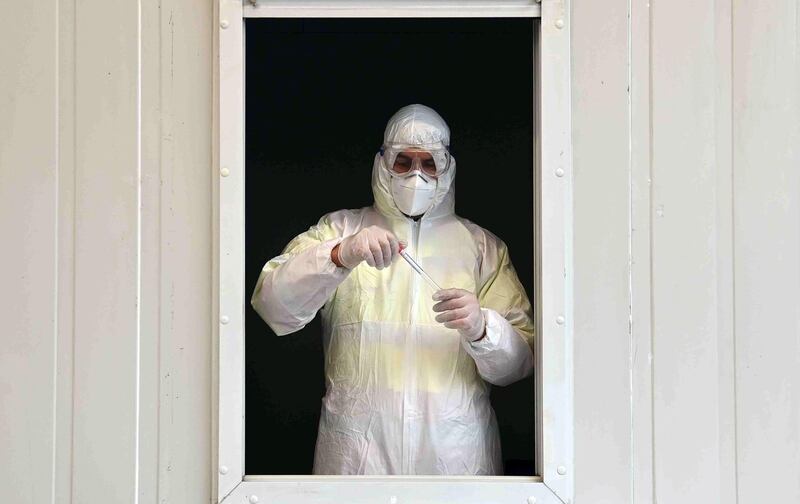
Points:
(74, 237)
(56, 254)
(723, 239)
(651, 243)
(640, 190)
(733, 261)
(138, 272)
(731, 133)
(631, 338)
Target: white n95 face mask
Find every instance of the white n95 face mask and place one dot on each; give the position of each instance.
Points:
(413, 195)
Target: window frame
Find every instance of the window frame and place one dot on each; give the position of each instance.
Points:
(553, 226)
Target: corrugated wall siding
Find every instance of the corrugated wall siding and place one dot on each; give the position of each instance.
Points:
(105, 212)
(699, 401)
(686, 120)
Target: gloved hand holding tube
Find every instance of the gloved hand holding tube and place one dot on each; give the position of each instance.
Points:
(375, 245)
(459, 308)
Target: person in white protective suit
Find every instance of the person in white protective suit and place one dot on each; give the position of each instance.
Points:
(407, 370)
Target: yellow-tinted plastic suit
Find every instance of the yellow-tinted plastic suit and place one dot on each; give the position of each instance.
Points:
(404, 394)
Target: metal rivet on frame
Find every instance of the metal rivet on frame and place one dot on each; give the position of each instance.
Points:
(559, 172)
(560, 320)
(224, 319)
(531, 500)
(223, 469)
(253, 499)
(224, 172)
(559, 23)
(223, 24)
(561, 470)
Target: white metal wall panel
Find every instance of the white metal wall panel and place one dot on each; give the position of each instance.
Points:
(601, 209)
(107, 297)
(63, 477)
(186, 470)
(175, 416)
(155, 112)
(766, 187)
(99, 326)
(28, 278)
(684, 278)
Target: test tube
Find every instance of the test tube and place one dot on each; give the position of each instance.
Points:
(419, 269)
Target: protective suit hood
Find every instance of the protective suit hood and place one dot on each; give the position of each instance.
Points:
(414, 125)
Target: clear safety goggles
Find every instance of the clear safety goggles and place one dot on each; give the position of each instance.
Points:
(432, 161)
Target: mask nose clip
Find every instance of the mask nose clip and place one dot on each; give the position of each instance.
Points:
(422, 176)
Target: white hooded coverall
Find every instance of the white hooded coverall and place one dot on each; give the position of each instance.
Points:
(404, 394)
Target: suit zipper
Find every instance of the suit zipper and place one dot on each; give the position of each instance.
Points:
(409, 385)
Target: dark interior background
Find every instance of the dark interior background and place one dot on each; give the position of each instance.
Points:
(318, 95)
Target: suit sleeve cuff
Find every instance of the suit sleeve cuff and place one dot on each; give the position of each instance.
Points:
(491, 341)
(324, 261)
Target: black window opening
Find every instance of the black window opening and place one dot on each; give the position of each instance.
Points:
(318, 95)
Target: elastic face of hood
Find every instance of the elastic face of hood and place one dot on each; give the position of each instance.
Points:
(443, 199)
(414, 125)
